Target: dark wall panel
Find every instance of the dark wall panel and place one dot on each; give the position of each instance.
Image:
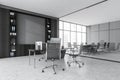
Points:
(4, 33)
(0, 33)
(54, 27)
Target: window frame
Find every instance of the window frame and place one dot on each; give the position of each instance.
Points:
(76, 31)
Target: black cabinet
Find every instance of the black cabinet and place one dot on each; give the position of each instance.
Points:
(51, 26)
(23, 49)
(47, 29)
(12, 34)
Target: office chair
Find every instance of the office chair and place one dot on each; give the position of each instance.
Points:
(53, 52)
(75, 53)
(101, 46)
(69, 47)
(112, 46)
(118, 46)
(75, 46)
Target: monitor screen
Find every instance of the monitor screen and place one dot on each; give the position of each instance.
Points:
(38, 45)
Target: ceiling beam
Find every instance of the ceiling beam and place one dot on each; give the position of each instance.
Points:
(83, 8)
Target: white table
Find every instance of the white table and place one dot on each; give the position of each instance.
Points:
(32, 50)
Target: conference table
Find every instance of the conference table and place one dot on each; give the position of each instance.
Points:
(89, 48)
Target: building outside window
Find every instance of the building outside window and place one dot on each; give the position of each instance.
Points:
(71, 33)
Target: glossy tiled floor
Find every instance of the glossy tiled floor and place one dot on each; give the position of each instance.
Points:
(18, 68)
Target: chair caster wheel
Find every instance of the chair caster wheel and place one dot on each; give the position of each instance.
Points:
(79, 66)
(42, 70)
(67, 62)
(82, 63)
(55, 73)
(69, 65)
(63, 69)
(45, 60)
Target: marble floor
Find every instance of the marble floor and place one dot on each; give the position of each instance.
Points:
(18, 68)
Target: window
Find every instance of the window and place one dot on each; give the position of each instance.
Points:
(79, 28)
(83, 29)
(79, 38)
(61, 36)
(66, 36)
(83, 38)
(73, 27)
(66, 26)
(73, 37)
(60, 25)
(69, 32)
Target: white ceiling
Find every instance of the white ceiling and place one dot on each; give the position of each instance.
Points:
(104, 12)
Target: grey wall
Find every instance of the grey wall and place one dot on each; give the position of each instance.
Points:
(30, 29)
(109, 32)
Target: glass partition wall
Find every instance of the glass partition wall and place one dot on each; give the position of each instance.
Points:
(71, 33)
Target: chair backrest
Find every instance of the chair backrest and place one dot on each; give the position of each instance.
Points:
(80, 49)
(69, 45)
(118, 46)
(38, 45)
(75, 45)
(101, 46)
(53, 51)
(55, 40)
(112, 46)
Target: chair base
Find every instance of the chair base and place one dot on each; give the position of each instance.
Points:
(51, 66)
(75, 61)
(41, 58)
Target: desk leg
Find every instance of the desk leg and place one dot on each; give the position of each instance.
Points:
(34, 60)
(29, 57)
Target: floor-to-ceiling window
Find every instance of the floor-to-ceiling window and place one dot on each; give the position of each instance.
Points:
(73, 33)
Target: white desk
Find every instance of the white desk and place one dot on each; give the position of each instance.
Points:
(32, 50)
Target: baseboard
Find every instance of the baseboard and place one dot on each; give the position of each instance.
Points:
(100, 59)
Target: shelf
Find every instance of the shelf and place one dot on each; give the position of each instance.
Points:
(12, 34)
(48, 29)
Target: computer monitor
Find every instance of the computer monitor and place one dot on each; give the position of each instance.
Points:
(38, 45)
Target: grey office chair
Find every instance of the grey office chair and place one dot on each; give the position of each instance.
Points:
(53, 53)
(74, 55)
(118, 46)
